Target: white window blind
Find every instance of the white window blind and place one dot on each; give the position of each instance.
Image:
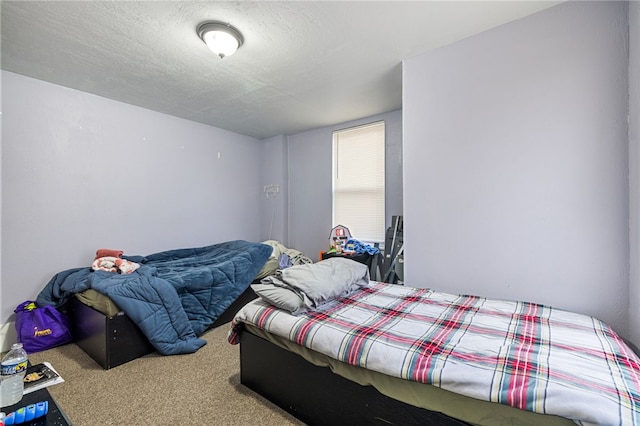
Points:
(358, 181)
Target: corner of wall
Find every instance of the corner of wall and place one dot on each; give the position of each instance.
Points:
(634, 172)
(274, 173)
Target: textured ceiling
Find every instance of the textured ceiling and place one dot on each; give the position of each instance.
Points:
(303, 65)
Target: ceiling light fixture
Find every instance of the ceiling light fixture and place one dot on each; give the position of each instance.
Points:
(221, 38)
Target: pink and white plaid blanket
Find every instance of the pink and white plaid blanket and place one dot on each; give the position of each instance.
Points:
(526, 355)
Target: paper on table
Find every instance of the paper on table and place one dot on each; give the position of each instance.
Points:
(49, 376)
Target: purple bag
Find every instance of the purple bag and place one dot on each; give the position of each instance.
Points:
(41, 327)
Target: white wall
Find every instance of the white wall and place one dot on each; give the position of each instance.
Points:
(310, 184)
(515, 162)
(81, 172)
(634, 170)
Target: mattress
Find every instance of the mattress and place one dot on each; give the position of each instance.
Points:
(98, 301)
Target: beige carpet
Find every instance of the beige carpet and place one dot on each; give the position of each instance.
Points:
(195, 389)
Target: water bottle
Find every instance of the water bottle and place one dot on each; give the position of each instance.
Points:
(12, 370)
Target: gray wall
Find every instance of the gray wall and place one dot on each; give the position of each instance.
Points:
(274, 172)
(634, 169)
(310, 184)
(81, 172)
(515, 162)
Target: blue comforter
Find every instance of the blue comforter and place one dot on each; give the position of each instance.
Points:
(175, 295)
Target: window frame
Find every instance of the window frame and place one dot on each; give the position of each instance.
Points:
(377, 172)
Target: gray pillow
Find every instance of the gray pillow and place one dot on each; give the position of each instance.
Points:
(325, 281)
(280, 297)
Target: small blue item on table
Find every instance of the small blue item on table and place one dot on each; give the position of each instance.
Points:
(26, 414)
(357, 246)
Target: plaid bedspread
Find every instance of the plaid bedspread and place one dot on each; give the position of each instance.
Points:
(526, 355)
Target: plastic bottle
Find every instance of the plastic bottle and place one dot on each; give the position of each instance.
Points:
(12, 370)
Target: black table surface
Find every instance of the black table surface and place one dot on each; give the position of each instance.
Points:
(358, 257)
(54, 417)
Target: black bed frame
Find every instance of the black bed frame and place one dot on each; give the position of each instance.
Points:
(317, 396)
(112, 341)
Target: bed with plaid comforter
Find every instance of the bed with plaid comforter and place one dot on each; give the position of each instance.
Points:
(529, 356)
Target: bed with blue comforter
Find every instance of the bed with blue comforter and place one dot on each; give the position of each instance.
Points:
(175, 295)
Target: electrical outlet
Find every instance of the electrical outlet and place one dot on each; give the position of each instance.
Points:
(271, 190)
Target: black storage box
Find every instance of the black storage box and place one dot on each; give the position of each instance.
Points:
(112, 341)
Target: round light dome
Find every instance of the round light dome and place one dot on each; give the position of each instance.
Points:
(222, 39)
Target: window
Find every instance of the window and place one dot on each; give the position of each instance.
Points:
(358, 181)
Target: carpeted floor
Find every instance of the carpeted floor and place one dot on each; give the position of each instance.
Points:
(195, 389)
